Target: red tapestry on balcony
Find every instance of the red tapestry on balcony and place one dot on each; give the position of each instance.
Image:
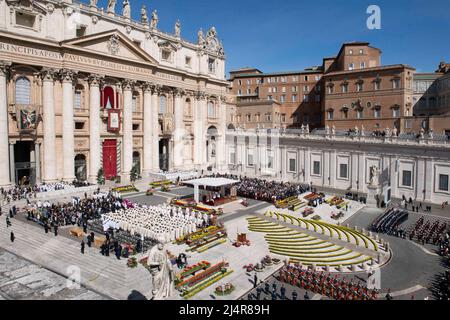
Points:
(107, 98)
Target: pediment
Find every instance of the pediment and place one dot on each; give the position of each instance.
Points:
(111, 43)
(168, 45)
(28, 5)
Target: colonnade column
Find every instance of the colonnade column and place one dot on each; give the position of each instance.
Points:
(199, 132)
(127, 128)
(48, 101)
(178, 152)
(37, 152)
(12, 162)
(221, 146)
(94, 127)
(67, 77)
(155, 124)
(148, 129)
(4, 161)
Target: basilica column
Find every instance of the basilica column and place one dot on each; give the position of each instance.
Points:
(148, 129)
(37, 152)
(12, 162)
(127, 128)
(155, 124)
(48, 101)
(67, 77)
(178, 153)
(94, 127)
(4, 160)
(199, 132)
(221, 145)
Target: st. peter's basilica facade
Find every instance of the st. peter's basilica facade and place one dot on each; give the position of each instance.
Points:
(84, 88)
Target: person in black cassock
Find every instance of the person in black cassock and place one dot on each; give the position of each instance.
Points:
(8, 222)
(46, 227)
(82, 246)
(255, 280)
(12, 237)
(89, 241)
(55, 228)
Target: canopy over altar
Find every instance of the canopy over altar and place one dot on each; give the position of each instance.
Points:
(208, 183)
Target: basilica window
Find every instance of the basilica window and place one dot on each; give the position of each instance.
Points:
(188, 108)
(23, 91)
(166, 55)
(343, 171)
(211, 110)
(211, 65)
(162, 104)
(406, 178)
(443, 182)
(134, 102)
(292, 165)
(78, 97)
(81, 31)
(25, 19)
(188, 61)
(316, 167)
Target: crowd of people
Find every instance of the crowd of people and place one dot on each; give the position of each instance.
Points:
(76, 212)
(23, 192)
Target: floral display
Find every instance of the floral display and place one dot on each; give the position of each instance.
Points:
(125, 189)
(225, 289)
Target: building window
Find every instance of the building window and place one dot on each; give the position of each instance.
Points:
(306, 78)
(351, 66)
(283, 89)
(240, 92)
(407, 178)
(269, 97)
(135, 127)
(344, 88)
(162, 104)
(211, 65)
(377, 85)
(395, 112)
(317, 78)
(268, 117)
(316, 167)
(330, 89)
(166, 55)
(248, 117)
(359, 114)
(362, 65)
(77, 99)
(283, 117)
(330, 114)
(240, 82)
(79, 125)
(359, 86)
(350, 52)
(361, 51)
(292, 165)
(134, 104)
(396, 84)
(305, 98)
(249, 82)
(269, 160)
(25, 20)
(188, 61)
(305, 88)
(294, 98)
(443, 182)
(232, 157)
(344, 112)
(23, 91)
(343, 171)
(249, 158)
(283, 98)
(377, 113)
(211, 110)
(249, 91)
(81, 31)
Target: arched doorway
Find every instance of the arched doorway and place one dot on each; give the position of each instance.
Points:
(80, 167)
(137, 161)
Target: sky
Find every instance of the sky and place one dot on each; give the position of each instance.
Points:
(288, 35)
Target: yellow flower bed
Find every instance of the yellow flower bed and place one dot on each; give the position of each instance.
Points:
(206, 284)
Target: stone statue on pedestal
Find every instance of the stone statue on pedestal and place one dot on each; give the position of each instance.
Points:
(144, 17)
(356, 130)
(388, 132)
(154, 21)
(111, 6)
(363, 133)
(201, 38)
(307, 128)
(126, 11)
(333, 130)
(327, 130)
(422, 132)
(178, 29)
(374, 176)
(430, 134)
(394, 132)
(162, 273)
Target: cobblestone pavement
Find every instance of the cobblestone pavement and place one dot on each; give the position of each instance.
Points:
(24, 280)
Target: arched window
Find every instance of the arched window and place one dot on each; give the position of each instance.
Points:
(211, 111)
(78, 97)
(187, 107)
(23, 91)
(135, 101)
(162, 104)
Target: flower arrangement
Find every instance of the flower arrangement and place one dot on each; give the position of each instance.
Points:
(225, 289)
(187, 271)
(132, 262)
(125, 189)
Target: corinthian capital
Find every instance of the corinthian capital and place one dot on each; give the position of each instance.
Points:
(5, 67)
(128, 85)
(67, 75)
(95, 80)
(148, 86)
(178, 92)
(201, 95)
(48, 74)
